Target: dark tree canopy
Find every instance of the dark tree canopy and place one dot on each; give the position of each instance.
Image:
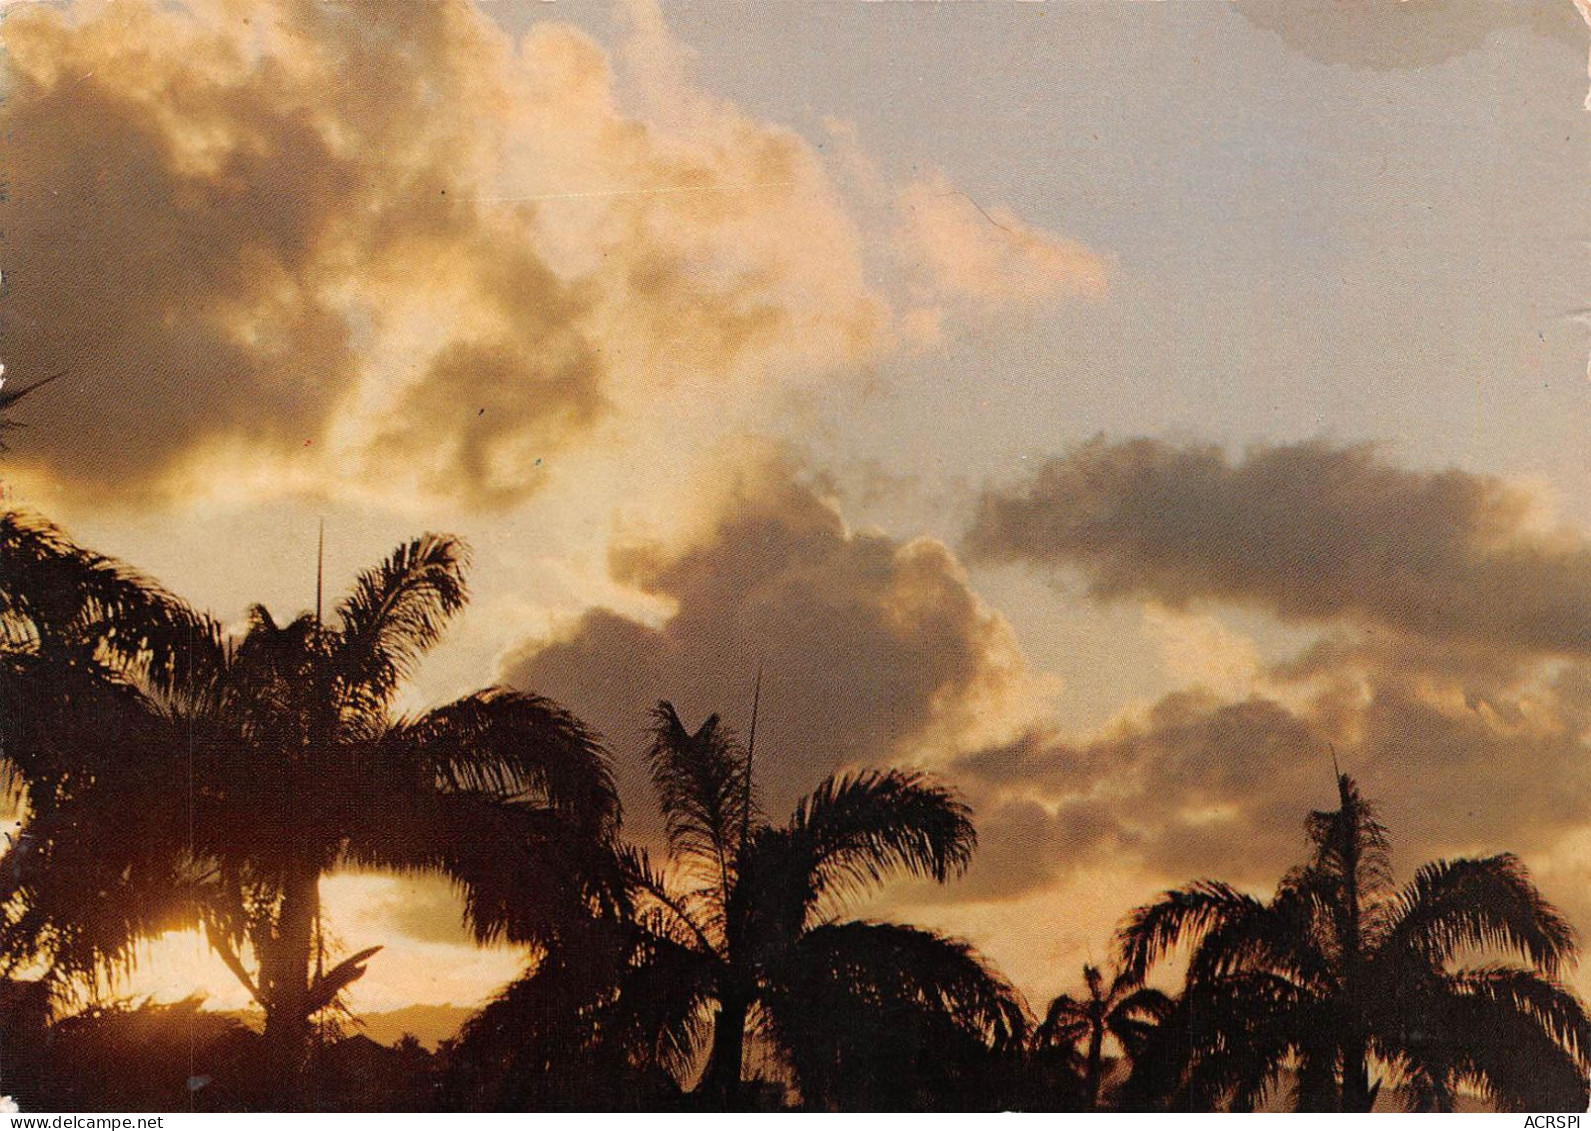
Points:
(1344, 982)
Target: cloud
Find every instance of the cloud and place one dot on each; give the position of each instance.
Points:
(873, 650)
(1204, 786)
(1307, 532)
(1450, 674)
(385, 246)
(1198, 650)
(1215, 787)
(387, 253)
(1397, 36)
(1075, 831)
(957, 249)
(423, 908)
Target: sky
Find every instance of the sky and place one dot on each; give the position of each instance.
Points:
(1115, 408)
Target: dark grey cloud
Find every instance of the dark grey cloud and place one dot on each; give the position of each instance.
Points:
(1196, 784)
(1404, 34)
(1027, 846)
(867, 643)
(474, 406)
(1452, 679)
(1308, 532)
(1460, 761)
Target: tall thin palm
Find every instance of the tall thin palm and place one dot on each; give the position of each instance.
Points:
(1341, 972)
(200, 780)
(1125, 1010)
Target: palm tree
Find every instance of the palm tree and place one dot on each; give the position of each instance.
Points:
(173, 777)
(756, 909)
(606, 1021)
(1341, 976)
(80, 633)
(1125, 1010)
(740, 941)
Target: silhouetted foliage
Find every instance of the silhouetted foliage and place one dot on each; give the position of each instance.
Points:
(593, 1027)
(173, 777)
(736, 941)
(121, 1057)
(1341, 974)
(179, 1057)
(1125, 1010)
(356, 1073)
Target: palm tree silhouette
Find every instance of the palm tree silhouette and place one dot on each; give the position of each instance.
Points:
(607, 1020)
(80, 634)
(737, 941)
(756, 913)
(1341, 972)
(173, 777)
(1125, 1009)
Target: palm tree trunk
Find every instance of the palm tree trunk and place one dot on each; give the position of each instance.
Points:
(721, 1080)
(1356, 1093)
(287, 972)
(1096, 1064)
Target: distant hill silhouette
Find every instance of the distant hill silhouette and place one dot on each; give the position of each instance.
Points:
(428, 1024)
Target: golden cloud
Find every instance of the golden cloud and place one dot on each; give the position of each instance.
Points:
(383, 244)
(873, 650)
(959, 250)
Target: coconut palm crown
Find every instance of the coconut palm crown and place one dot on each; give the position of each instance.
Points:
(736, 949)
(172, 775)
(1123, 1008)
(1346, 981)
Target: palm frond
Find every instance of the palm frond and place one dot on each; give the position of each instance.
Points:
(610, 1021)
(891, 959)
(1242, 1031)
(1136, 1015)
(1489, 904)
(661, 1008)
(324, 990)
(1066, 1022)
(879, 1014)
(396, 612)
(58, 598)
(101, 860)
(702, 789)
(1279, 937)
(687, 918)
(1180, 916)
(511, 744)
(856, 829)
(1550, 1005)
(1350, 842)
(1519, 1039)
(526, 872)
